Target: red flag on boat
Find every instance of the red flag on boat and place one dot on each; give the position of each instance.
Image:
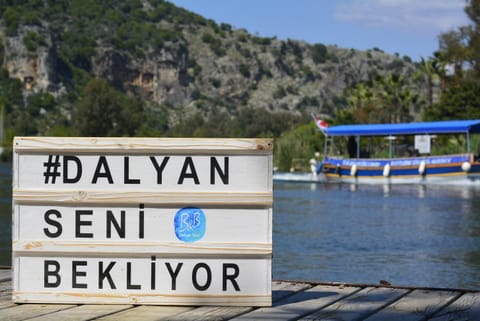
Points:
(321, 124)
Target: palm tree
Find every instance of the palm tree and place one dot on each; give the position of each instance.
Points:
(430, 70)
(360, 99)
(397, 98)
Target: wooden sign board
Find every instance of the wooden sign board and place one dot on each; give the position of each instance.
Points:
(142, 221)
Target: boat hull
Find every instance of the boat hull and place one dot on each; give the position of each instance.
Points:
(448, 170)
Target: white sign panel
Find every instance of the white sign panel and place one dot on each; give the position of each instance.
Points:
(423, 144)
(167, 173)
(143, 221)
(144, 280)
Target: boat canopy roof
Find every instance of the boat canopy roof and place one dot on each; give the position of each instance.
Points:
(424, 128)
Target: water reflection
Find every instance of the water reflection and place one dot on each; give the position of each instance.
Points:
(386, 190)
(466, 193)
(421, 191)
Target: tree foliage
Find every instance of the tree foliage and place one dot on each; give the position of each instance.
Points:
(249, 122)
(383, 100)
(457, 102)
(104, 111)
(461, 49)
(294, 148)
(319, 53)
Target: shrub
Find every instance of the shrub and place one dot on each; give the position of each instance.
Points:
(319, 53)
(11, 18)
(33, 40)
(244, 70)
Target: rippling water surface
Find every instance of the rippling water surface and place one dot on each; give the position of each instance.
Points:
(407, 235)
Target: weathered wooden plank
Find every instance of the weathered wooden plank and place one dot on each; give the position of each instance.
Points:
(38, 196)
(6, 303)
(465, 308)
(5, 295)
(27, 311)
(150, 313)
(358, 305)
(282, 290)
(279, 291)
(344, 303)
(81, 313)
(172, 249)
(145, 313)
(416, 305)
(210, 314)
(142, 145)
(162, 299)
(302, 303)
(5, 275)
(6, 285)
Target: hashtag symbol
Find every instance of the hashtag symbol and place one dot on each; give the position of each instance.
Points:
(52, 169)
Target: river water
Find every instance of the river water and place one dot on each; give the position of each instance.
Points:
(407, 235)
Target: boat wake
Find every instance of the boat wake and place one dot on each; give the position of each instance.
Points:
(298, 177)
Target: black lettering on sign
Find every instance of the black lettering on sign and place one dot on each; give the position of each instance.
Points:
(208, 279)
(66, 169)
(49, 273)
(102, 274)
(108, 270)
(131, 286)
(141, 222)
(215, 167)
(47, 217)
(102, 170)
(76, 274)
(126, 172)
(160, 168)
(173, 274)
(120, 228)
(52, 169)
(230, 276)
(152, 273)
(79, 223)
(188, 171)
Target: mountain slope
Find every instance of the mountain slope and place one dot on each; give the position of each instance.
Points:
(176, 60)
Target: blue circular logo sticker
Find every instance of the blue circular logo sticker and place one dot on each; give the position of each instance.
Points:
(189, 224)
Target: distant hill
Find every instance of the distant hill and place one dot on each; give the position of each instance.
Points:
(175, 60)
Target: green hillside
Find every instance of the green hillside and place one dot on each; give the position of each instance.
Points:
(148, 68)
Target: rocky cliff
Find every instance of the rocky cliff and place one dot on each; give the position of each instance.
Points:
(170, 57)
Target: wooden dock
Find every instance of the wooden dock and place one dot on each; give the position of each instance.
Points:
(291, 301)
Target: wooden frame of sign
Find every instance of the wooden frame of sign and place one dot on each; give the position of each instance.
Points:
(142, 221)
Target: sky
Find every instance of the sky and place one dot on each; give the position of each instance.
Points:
(405, 27)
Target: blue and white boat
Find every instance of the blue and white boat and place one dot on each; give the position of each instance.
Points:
(423, 168)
